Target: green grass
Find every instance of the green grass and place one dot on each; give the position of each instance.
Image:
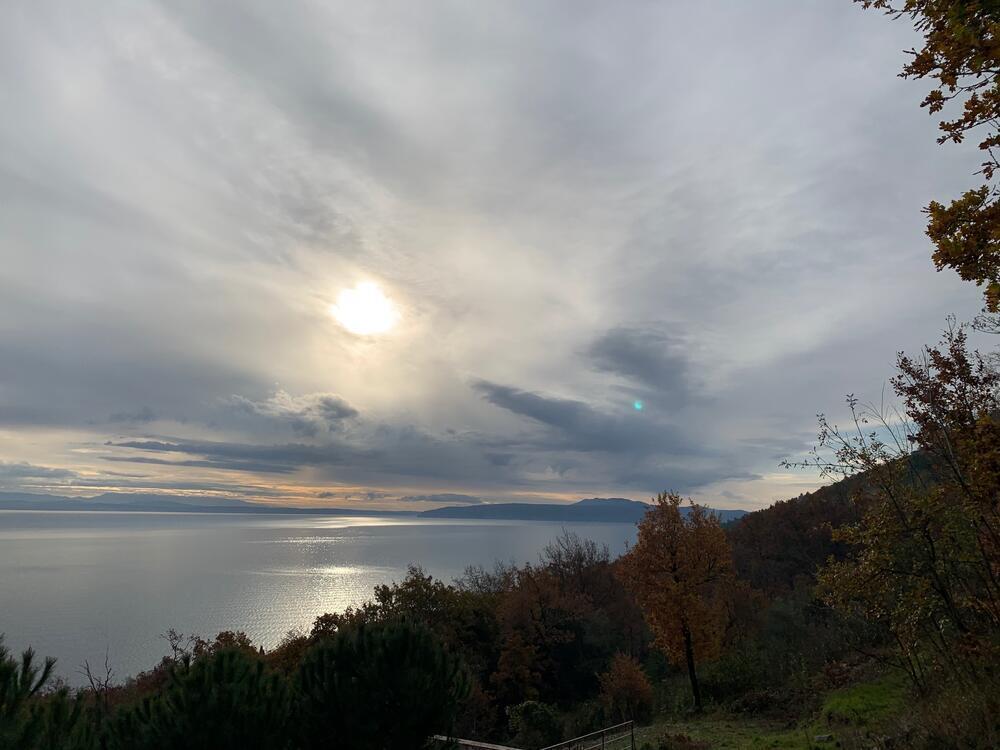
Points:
(866, 703)
(725, 732)
(844, 711)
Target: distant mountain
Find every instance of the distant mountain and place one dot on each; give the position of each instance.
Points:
(595, 509)
(148, 503)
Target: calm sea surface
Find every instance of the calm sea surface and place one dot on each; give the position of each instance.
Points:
(77, 586)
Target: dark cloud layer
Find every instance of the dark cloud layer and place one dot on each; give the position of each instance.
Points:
(272, 459)
(576, 425)
(648, 356)
(13, 472)
(443, 498)
(145, 414)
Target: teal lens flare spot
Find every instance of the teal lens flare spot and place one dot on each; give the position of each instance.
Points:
(637, 404)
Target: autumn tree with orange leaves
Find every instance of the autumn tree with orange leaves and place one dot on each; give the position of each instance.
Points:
(961, 55)
(681, 571)
(626, 692)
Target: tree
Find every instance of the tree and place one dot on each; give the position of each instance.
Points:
(544, 640)
(781, 548)
(226, 640)
(20, 681)
(534, 724)
(560, 622)
(462, 618)
(626, 692)
(924, 560)
(961, 53)
(378, 687)
(680, 570)
(65, 723)
(226, 698)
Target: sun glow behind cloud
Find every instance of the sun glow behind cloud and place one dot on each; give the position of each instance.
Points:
(365, 310)
(534, 258)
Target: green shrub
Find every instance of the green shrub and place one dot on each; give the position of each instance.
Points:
(377, 687)
(20, 681)
(534, 724)
(65, 723)
(225, 700)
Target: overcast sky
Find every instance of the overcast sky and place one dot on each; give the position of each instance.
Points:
(709, 208)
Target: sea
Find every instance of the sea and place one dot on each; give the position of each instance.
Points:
(103, 588)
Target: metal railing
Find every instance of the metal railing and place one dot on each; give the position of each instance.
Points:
(618, 737)
(468, 744)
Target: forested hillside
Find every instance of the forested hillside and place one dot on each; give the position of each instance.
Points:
(529, 655)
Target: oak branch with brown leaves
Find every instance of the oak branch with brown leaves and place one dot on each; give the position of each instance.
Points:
(961, 53)
(681, 571)
(923, 560)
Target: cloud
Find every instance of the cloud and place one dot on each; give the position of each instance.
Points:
(562, 413)
(12, 472)
(556, 251)
(386, 454)
(354, 496)
(270, 459)
(648, 356)
(145, 414)
(581, 426)
(307, 415)
(643, 450)
(446, 498)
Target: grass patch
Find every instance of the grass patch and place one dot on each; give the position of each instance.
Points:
(866, 703)
(723, 732)
(844, 712)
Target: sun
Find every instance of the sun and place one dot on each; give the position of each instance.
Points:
(365, 310)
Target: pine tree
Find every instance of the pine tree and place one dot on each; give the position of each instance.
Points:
(226, 700)
(378, 687)
(20, 681)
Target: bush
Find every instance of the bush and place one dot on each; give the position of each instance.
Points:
(759, 702)
(20, 681)
(626, 692)
(286, 657)
(378, 687)
(952, 719)
(584, 718)
(226, 699)
(64, 723)
(968, 721)
(534, 724)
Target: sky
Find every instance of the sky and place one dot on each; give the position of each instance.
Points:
(608, 249)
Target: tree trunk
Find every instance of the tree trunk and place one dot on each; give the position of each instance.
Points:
(689, 657)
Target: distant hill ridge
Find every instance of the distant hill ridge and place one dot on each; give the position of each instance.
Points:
(594, 509)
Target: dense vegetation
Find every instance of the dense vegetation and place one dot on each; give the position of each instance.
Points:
(821, 615)
(866, 613)
(339, 690)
